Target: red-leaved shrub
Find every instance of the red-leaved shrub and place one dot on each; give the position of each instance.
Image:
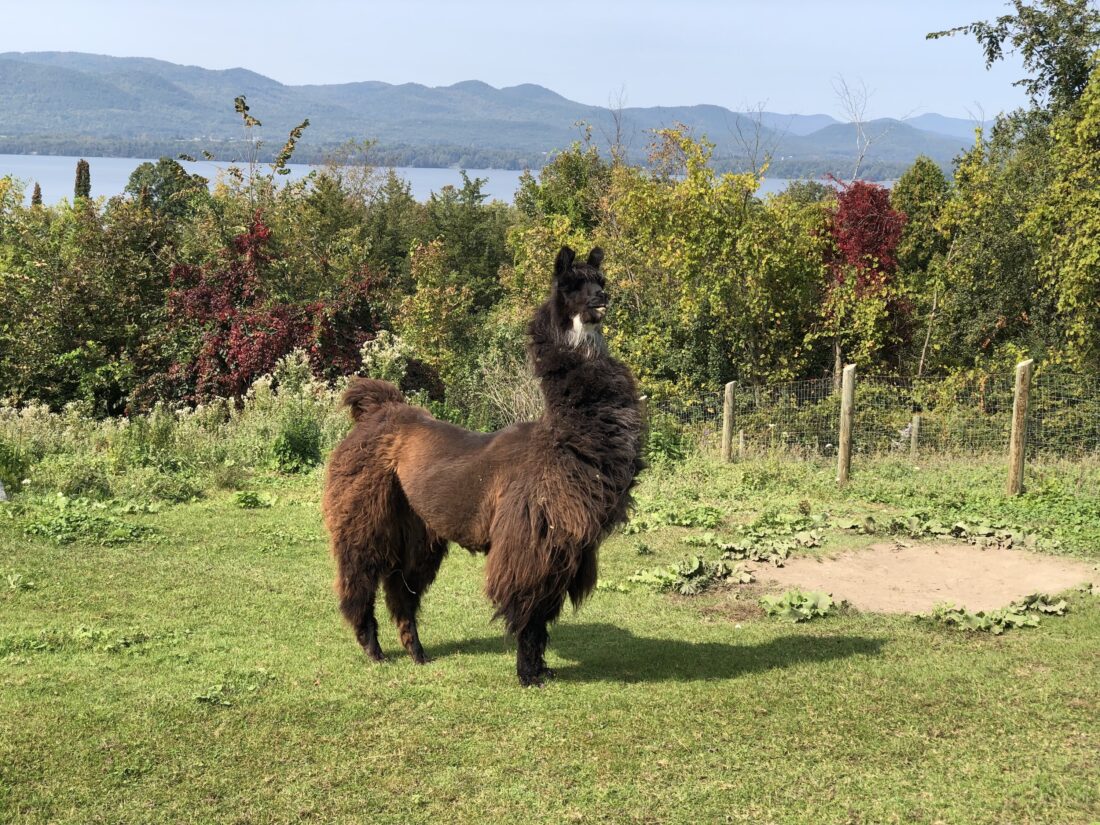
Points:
(240, 331)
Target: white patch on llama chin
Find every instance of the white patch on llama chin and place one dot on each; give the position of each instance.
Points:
(586, 336)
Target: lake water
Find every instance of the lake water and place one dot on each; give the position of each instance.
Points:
(55, 174)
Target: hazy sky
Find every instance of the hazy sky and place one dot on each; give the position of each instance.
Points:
(785, 53)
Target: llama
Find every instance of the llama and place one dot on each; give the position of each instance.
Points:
(537, 497)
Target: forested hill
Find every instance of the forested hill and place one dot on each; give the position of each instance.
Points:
(75, 103)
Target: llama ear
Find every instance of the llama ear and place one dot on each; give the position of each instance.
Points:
(564, 262)
(595, 257)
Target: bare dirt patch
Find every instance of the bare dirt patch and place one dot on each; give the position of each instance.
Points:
(737, 603)
(885, 578)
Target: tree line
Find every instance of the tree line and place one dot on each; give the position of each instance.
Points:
(180, 293)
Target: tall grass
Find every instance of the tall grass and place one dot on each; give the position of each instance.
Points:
(287, 421)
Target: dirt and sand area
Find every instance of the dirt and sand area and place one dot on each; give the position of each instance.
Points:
(892, 578)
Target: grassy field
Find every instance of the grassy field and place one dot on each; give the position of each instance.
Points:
(189, 665)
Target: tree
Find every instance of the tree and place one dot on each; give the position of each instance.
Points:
(864, 314)
(809, 191)
(437, 318)
(1056, 38)
(472, 234)
(82, 289)
(570, 185)
(394, 219)
(83, 186)
(920, 194)
(995, 306)
(165, 187)
(227, 329)
(709, 283)
(1065, 222)
(36, 195)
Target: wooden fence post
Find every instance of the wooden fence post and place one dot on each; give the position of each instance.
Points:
(1017, 442)
(727, 423)
(914, 435)
(847, 403)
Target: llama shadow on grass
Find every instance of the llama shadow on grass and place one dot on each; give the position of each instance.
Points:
(605, 653)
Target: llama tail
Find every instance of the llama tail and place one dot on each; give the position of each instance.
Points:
(364, 394)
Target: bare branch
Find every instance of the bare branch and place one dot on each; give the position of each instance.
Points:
(758, 144)
(616, 103)
(853, 102)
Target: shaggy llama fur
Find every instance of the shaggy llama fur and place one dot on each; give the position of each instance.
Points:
(537, 497)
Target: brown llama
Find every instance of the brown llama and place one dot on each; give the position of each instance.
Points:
(537, 497)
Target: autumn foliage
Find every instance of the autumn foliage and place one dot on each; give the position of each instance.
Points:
(239, 330)
(865, 230)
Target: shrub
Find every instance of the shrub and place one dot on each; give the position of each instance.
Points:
(297, 446)
(13, 466)
(76, 475)
(174, 488)
(665, 440)
(228, 475)
(148, 441)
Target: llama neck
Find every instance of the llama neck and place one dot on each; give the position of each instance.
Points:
(591, 400)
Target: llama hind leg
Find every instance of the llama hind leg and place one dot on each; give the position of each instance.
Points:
(357, 593)
(404, 590)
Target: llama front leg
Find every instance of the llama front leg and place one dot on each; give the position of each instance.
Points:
(530, 652)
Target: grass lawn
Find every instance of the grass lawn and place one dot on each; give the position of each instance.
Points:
(203, 674)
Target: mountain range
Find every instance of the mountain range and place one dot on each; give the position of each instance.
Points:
(76, 103)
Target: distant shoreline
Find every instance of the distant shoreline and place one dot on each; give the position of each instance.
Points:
(55, 173)
(397, 158)
(233, 151)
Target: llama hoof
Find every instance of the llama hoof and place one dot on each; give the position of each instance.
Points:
(547, 672)
(536, 680)
(421, 659)
(375, 655)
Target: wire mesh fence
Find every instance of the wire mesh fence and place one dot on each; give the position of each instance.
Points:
(963, 415)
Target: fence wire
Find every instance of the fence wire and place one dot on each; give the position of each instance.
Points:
(955, 415)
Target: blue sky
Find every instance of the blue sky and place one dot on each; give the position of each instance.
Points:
(785, 54)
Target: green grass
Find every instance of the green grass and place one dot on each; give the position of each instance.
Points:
(201, 673)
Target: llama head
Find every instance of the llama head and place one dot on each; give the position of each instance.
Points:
(578, 296)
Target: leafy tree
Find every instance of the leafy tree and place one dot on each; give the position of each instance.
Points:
(227, 329)
(708, 285)
(83, 186)
(36, 195)
(393, 221)
(995, 306)
(1056, 38)
(865, 315)
(920, 194)
(437, 319)
(570, 185)
(166, 187)
(472, 233)
(1065, 222)
(82, 288)
(809, 191)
